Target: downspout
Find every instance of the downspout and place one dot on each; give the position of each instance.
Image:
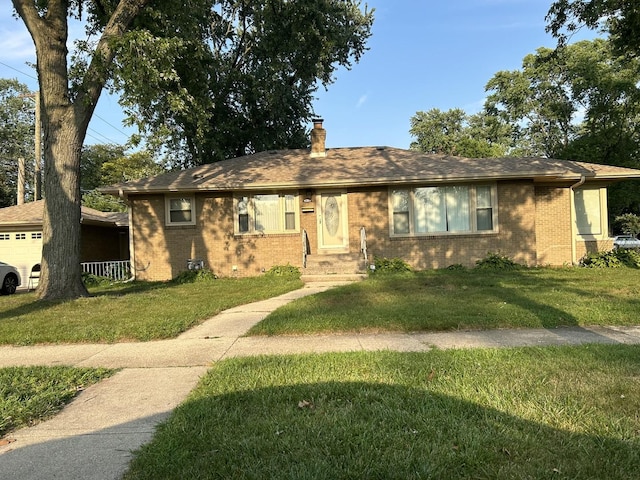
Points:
(574, 227)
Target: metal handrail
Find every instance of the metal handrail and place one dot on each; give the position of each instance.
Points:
(363, 243)
(305, 248)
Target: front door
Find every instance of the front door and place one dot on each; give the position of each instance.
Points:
(333, 221)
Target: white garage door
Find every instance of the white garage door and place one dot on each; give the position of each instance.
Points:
(22, 249)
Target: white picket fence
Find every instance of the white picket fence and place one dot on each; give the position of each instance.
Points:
(117, 270)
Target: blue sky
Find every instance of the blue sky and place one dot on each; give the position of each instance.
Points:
(423, 55)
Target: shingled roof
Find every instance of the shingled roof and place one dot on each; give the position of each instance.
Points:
(362, 166)
(31, 213)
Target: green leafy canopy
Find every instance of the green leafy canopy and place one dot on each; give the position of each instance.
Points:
(213, 80)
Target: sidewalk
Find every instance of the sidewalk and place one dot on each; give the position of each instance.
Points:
(93, 437)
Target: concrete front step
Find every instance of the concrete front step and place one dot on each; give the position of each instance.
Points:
(337, 277)
(338, 264)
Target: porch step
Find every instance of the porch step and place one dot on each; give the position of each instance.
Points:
(337, 264)
(337, 277)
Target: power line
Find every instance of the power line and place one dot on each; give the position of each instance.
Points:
(100, 141)
(112, 126)
(100, 134)
(94, 115)
(108, 140)
(19, 71)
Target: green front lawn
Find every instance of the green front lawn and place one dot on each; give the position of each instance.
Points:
(130, 312)
(444, 300)
(569, 412)
(31, 394)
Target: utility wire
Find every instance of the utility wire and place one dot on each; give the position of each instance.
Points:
(112, 126)
(104, 137)
(94, 115)
(20, 72)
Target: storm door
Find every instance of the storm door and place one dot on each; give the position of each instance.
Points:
(333, 221)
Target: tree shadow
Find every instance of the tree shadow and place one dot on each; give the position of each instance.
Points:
(549, 316)
(330, 430)
(464, 300)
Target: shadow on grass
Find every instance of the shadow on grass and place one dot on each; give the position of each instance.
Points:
(338, 430)
(549, 316)
(497, 283)
(444, 300)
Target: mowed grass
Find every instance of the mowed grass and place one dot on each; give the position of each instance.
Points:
(31, 394)
(130, 312)
(445, 300)
(552, 412)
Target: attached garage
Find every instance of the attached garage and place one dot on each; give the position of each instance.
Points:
(21, 248)
(104, 236)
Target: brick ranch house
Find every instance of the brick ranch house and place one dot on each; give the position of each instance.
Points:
(244, 215)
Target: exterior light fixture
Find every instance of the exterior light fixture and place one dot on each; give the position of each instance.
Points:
(307, 196)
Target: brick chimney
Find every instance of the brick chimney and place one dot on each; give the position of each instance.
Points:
(318, 138)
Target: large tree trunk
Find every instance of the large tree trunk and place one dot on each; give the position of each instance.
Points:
(64, 127)
(66, 112)
(61, 273)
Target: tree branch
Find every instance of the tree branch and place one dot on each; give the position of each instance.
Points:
(97, 73)
(27, 11)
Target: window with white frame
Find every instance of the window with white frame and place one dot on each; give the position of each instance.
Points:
(180, 210)
(432, 210)
(266, 213)
(588, 207)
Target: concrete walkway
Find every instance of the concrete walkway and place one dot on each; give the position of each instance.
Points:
(93, 437)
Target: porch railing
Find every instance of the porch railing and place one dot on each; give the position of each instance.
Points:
(118, 270)
(305, 248)
(363, 243)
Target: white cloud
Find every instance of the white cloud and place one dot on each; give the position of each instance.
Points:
(362, 100)
(16, 44)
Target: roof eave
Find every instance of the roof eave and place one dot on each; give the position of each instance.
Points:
(326, 183)
(29, 224)
(557, 176)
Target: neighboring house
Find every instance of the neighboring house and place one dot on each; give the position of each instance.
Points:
(104, 236)
(244, 215)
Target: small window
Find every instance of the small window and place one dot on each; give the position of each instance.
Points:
(21, 236)
(181, 211)
(5, 236)
(243, 214)
(36, 236)
(290, 212)
(400, 200)
(484, 208)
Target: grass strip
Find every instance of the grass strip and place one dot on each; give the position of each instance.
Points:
(553, 412)
(31, 394)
